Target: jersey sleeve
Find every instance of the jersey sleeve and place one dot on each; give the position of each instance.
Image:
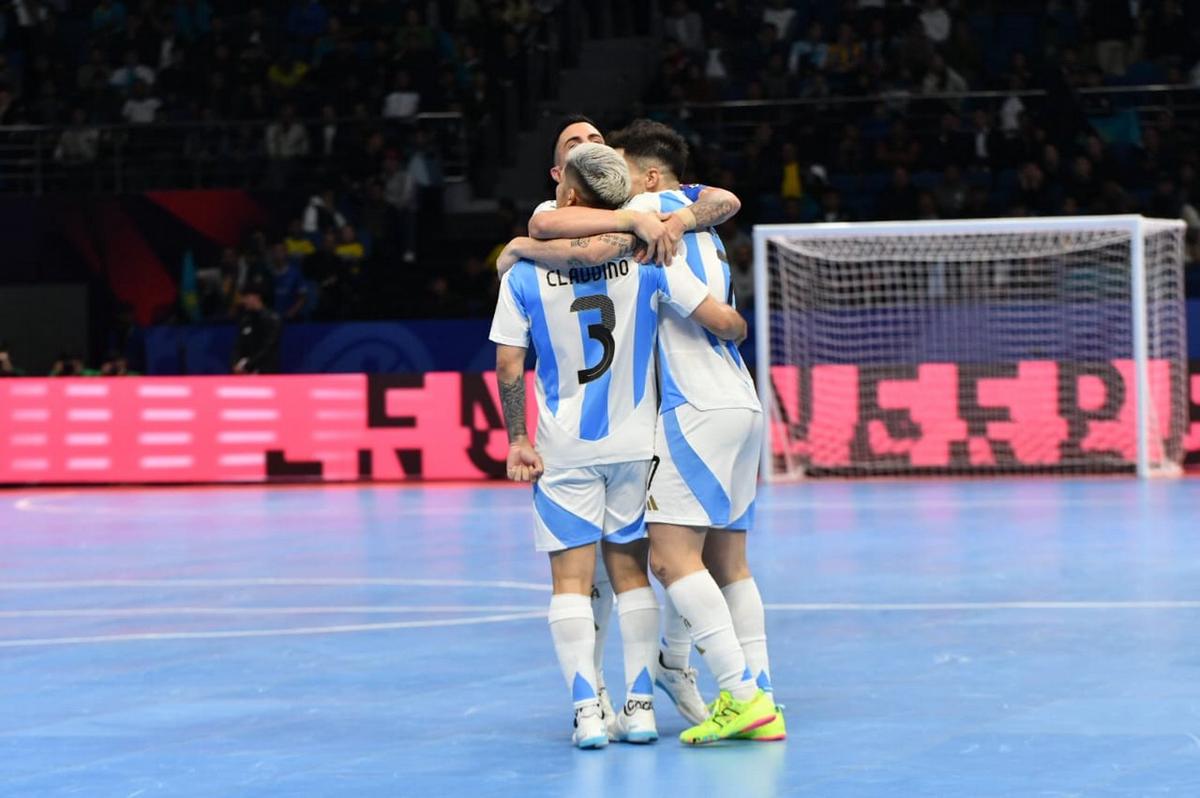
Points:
(510, 323)
(692, 191)
(543, 207)
(681, 289)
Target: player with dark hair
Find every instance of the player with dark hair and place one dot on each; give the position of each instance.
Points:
(707, 444)
(593, 328)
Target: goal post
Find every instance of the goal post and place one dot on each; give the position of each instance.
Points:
(974, 347)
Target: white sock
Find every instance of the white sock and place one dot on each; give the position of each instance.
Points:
(602, 604)
(750, 625)
(637, 612)
(574, 633)
(706, 615)
(676, 642)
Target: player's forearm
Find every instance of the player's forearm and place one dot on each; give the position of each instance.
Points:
(715, 206)
(576, 221)
(587, 251)
(720, 319)
(510, 375)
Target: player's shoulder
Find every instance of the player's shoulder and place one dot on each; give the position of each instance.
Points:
(543, 207)
(646, 201)
(692, 191)
(519, 276)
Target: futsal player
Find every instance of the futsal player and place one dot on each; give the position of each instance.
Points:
(702, 492)
(661, 234)
(593, 329)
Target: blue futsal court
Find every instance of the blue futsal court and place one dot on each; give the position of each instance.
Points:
(998, 638)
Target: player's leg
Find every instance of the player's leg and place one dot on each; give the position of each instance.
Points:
(602, 606)
(568, 522)
(725, 557)
(678, 564)
(625, 551)
(692, 491)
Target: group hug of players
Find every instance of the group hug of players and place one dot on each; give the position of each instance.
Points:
(648, 436)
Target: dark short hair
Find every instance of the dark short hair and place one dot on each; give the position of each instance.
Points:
(645, 138)
(563, 123)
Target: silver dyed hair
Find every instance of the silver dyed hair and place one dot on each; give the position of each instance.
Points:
(603, 172)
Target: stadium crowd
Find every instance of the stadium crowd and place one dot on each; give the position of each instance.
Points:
(850, 110)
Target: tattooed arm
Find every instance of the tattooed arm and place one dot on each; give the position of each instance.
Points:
(588, 251)
(577, 221)
(524, 464)
(715, 206)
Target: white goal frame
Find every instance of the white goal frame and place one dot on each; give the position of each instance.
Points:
(1136, 226)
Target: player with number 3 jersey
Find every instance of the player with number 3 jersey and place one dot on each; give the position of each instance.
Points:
(594, 330)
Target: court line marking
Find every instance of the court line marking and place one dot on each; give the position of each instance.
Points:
(44, 504)
(275, 582)
(245, 633)
(136, 612)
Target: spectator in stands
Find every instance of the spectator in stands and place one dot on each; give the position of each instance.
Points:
(949, 145)
(117, 365)
(108, 16)
(926, 207)
(259, 331)
(290, 289)
(297, 244)
(845, 56)
(941, 79)
(324, 269)
(95, 69)
(142, 107)
(79, 143)
(7, 367)
(307, 19)
(899, 200)
(70, 365)
(810, 53)
(935, 21)
(403, 101)
(1033, 193)
(951, 193)
(286, 138)
(831, 207)
(331, 140)
(1082, 186)
(899, 148)
(400, 192)
(685, 26)
(321, 214)
(985, 141)
(286, 75)
(1112, 25)
(349, 248)
(716, 66)
(781, 15)
(130, 73)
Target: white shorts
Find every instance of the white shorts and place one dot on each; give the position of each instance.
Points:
(579, 506)
(705, 471)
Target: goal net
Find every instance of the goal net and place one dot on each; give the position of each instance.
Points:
(972, 347)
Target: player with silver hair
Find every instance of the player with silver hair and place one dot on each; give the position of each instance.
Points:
(594, 329)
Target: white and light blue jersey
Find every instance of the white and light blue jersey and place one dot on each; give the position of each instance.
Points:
(695, 366)
(594, 330)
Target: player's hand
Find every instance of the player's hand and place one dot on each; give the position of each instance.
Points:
(649, 227)
(508, 257)
(675, 227)
(524, 463)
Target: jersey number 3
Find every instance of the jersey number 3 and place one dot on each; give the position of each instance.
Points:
(601, 332)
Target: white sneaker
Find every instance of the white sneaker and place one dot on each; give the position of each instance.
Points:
(680, 686)
(608, 713)
(636, 723)
(589, 727)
